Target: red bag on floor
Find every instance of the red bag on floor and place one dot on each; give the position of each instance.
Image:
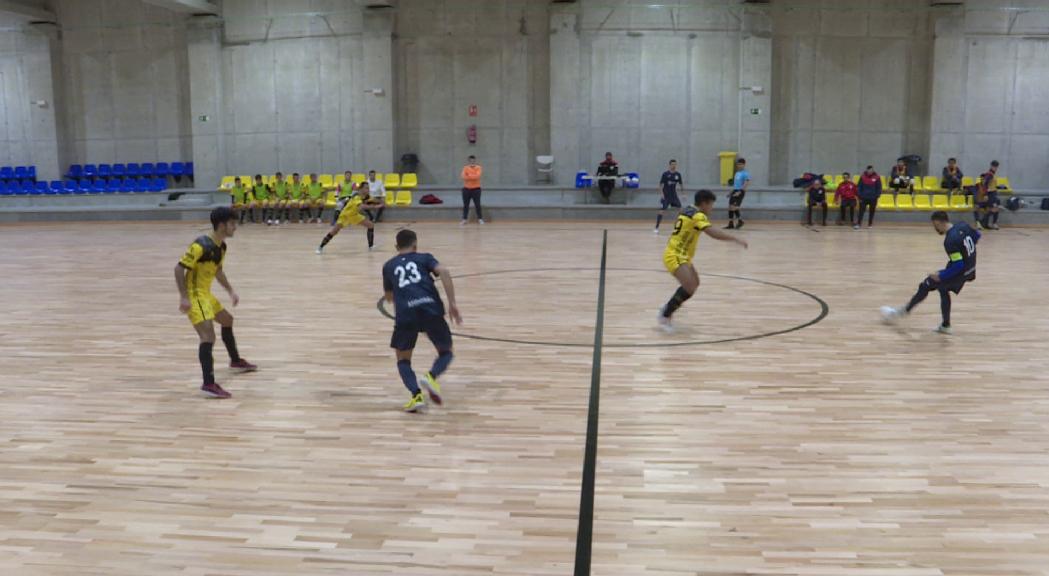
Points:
(430, 199)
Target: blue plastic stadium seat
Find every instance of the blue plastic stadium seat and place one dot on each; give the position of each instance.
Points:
(71, 187)
(22, 189)
(105, 170)
(98, 187)
(133, 170)
(21, 172)
(32, 173)
(7, 173)
(90, 170)
(147, 170)
(162, 170)
(178, 168)
(3, 189)
(127, 185)
(43, 188)
(119, 170)
(189, 169)
(113, 185)
(159, 185)
(57, 187)
(76, 171)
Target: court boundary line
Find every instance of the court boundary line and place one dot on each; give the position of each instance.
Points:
(585, 530)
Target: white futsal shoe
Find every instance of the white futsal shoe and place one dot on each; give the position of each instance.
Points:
(941, 329)
(665, 323)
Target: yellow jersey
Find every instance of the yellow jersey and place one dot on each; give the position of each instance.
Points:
(682, 244)
(202, 259)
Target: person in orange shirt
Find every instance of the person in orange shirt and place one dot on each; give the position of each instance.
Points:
(471, 176)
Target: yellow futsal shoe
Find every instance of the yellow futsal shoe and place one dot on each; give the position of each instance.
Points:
(434, 389)
(416, 404)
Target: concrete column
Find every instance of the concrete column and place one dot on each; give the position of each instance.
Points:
(756, 71)
(42, 71)
(204, 43)
(564, 95)
(377, 120)
(949, 71)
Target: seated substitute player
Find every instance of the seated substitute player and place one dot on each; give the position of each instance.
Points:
(681, 248)
(263, 199)
(817, 197)
(352, 213)
(194, 272)
(960, 244)
(408, 283)
(242, 201)
(315, 195)
(670, 182)
(281, 198)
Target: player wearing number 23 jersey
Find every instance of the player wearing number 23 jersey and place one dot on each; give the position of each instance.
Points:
(408, 284)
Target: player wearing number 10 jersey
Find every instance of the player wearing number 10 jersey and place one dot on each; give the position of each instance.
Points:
(408, 284)
(960, 244)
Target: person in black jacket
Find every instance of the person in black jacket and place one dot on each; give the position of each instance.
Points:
(870, 191)
(952, 177)
(607, 172)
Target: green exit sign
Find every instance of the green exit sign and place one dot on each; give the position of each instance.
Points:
(755, 111)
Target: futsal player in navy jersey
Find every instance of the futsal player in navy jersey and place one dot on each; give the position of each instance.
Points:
(671, 182)
(960, 244)
(408, 283)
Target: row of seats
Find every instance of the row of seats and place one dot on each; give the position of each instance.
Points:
(84, 187)
(392, 181)
(906, 202)
(130, 170)
(930, 184)
(9, 173)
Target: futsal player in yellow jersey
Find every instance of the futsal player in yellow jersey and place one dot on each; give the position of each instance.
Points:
(263, 199)
(352, 213)
(297, 197)
(281, 198)
(241, 197)
(681, 248)
(194, 273)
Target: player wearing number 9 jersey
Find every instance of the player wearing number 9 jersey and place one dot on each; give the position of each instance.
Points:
(681, 248)
(960, 245)
(408, 284)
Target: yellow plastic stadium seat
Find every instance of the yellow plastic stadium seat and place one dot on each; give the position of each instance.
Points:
(918, 185)
(921, 202)
(884, 183)
(392, 181)
(391, 198)
(227, 182)
(409, 180)
(247, 180)
(931, 184)
(904, 202)
(404, 197)
(968, 181)
(886, 202)
(1003, 185)
(357, 178)
(831, 201)
(856, 179)
(940, 202)
(268, 179)
(326, 180)
(961, 202)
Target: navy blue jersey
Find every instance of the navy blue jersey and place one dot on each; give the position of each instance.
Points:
(960, 244)
(670, 181)
(410, 278)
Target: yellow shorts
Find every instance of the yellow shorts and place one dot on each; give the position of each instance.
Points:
(203, 308)
(350, 217)
(674, 261)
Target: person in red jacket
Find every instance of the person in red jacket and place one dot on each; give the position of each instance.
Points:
(846, 196)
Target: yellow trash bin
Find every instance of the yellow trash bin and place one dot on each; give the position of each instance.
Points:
(728, 167)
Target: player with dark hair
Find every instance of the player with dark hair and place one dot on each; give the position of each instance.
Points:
(408, 284)
(740, 181)
(352, 213)
(960, 244)
(671, 182)
(263, 199)
(194, 273)
(987, 202)
(681, 248)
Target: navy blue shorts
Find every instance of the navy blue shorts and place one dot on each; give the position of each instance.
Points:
(670, 199)
(735, 199)
(436, 328)
(990, 200)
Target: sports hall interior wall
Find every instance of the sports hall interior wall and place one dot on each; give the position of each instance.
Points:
(282, 86)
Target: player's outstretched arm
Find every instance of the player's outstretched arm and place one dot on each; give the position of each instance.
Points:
(221, 277)
(180, 281)
(724, 236)
(449, 292)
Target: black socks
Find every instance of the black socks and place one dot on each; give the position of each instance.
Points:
(207, 362)
(679, 298)
(371, 237)
(231, 343)
(327, 238)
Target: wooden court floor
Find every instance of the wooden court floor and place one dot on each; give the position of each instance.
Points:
(845, 448)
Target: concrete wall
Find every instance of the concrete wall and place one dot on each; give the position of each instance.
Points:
(648, 83)
(850, 87)
(124, 67)
(493, 54)
(28, 131)
(992, 75)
